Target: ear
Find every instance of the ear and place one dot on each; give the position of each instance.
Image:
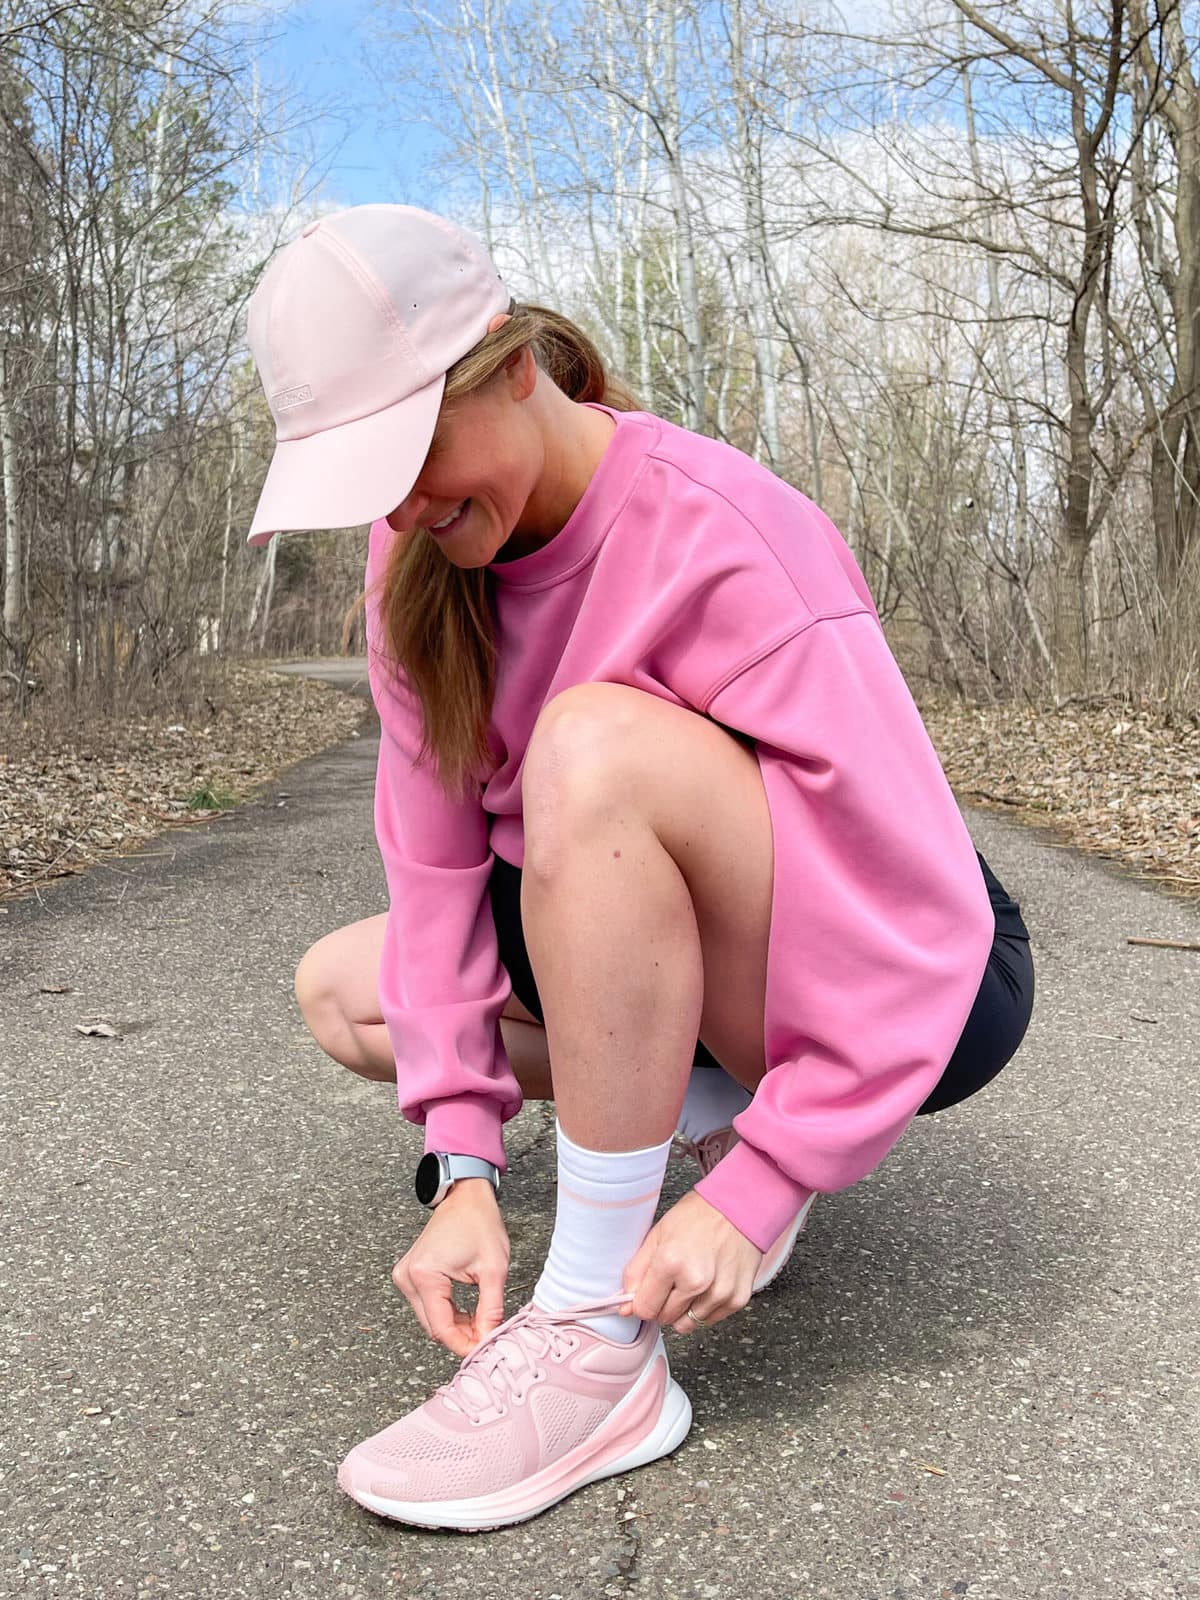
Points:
(521, 370)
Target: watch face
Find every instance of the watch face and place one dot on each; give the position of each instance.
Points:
(429, 1178)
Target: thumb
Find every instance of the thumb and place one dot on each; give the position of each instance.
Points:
(632, 1276)
(489, 1308)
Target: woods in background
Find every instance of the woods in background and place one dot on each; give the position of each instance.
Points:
(939, 266)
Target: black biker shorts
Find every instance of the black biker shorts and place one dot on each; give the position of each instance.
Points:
(989, 1040)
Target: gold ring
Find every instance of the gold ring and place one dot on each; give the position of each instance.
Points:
(699, 1321)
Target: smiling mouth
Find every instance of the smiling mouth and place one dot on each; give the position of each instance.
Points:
(440, 529)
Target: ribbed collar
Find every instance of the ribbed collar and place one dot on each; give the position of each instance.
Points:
(576, 541)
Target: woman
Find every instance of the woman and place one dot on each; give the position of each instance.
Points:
(665, 841)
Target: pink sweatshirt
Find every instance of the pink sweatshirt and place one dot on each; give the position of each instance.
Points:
(690, 572)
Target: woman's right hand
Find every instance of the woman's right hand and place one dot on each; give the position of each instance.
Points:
(464, 1241)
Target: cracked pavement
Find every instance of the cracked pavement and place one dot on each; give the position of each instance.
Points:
(977, 1375)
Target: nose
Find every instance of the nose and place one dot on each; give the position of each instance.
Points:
(406, 513)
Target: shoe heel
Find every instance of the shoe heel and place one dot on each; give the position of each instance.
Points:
(672, 1428)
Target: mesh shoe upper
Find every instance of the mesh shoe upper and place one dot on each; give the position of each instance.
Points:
(535, 1388)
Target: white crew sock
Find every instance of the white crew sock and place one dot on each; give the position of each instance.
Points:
(606, 1203)
(712, 1101)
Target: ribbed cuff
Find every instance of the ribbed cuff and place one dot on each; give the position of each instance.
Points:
(467, 1125)
(760, 1200)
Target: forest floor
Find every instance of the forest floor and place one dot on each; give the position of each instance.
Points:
(1119, 781)
(74, 795)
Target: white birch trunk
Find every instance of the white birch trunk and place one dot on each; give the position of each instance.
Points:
(689, 299)
(14, 568)
(757, 247)
(260, 606)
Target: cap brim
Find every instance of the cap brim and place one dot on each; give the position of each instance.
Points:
(352, 474)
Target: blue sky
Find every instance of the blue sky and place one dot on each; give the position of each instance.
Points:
(319, 48)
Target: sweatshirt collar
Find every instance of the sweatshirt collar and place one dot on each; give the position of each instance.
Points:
(577, 540)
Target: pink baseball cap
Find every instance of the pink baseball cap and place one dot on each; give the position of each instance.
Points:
(352, 328)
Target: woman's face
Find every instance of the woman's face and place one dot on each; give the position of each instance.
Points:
(483, 467)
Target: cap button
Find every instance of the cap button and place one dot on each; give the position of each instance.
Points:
(310, 227)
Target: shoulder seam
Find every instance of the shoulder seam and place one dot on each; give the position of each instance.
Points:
(723, 682)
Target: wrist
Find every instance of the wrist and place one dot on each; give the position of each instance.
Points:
(440, 1171)
(476, 1190)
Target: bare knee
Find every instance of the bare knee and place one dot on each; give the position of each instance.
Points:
(314, 992)
(325, 1016)
(570, 780)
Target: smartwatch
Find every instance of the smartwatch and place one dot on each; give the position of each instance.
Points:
(437, 1170)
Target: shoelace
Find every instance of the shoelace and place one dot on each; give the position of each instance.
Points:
(493, 1372)
(707, 1151)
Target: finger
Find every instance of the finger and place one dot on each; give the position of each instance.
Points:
(651, 1296)
(410, 1292)
(446, 1322)
(676, 1303)
(419, 1313)
(717, 1303)
(708, 1314)
(634, 1274)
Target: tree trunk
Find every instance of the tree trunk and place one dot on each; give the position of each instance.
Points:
(14, 566)
(694, 392)
(749, 164)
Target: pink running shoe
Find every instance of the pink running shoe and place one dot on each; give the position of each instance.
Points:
(540, 1407)
(706, 1152)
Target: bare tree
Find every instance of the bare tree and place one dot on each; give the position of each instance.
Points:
(1166, 212)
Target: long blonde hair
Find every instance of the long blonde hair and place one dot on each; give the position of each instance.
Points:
(437, 617)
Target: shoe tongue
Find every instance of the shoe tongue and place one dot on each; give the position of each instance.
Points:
(476, 1392)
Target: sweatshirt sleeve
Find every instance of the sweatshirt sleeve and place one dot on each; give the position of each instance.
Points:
(881, 924)
(441, 984)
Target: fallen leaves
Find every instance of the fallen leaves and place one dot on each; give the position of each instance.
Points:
(1123, 784)
(71, 798)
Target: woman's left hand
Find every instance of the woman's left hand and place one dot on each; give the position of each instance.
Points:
(693, 1258)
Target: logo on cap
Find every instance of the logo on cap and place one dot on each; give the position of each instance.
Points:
(287, 398)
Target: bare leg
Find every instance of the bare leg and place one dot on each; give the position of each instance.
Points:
(336, 992)
(622, 794)
(609, 916)
(648, 849)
